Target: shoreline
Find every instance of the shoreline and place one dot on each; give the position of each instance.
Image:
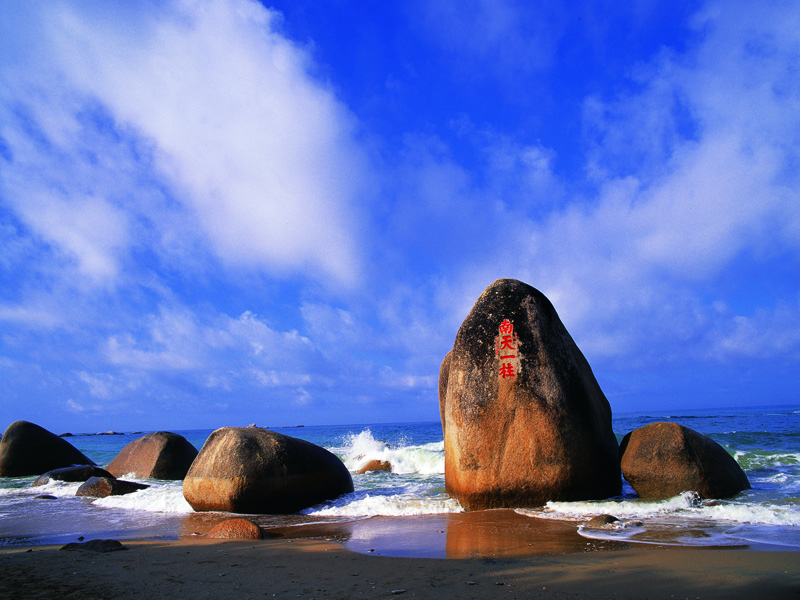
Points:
(314, 568)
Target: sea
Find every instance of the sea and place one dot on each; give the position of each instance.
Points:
(765, 441)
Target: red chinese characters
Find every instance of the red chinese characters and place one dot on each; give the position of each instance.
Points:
(506, 347)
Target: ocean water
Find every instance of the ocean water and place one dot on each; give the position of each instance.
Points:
(764, 441)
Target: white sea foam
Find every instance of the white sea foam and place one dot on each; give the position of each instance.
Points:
(424, 459)
(364, 504)
(162, 497)
(684, 507)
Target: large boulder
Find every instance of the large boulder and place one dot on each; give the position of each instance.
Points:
(27, 449)
(257, 471)
(159, 455)
(71, 474)
(661, 460)
(524, 419)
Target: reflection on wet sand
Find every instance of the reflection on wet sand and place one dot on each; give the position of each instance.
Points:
(494, 533)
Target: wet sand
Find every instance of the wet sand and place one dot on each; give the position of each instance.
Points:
(496, 554)
(302, 568)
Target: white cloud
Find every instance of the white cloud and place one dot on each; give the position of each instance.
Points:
(205, 96)
(262, 153)
(696, 170)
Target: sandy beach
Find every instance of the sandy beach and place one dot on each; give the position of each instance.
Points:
(316, 564)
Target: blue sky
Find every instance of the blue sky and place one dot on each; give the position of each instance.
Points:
(222, 212)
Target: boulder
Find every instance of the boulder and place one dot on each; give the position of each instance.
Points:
(159, 455)
(376, 465)
(257, 471)
(78, 473)
(239, 529)
(661, 460)
(100, 487)
(524, 419)
(27, 449)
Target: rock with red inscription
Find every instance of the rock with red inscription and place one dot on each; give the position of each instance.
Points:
(375, 465)
(524, 419)
(100, 487)
(159, 455)
(236, 529)
(661, 460)
(257, 471)
(27, 449)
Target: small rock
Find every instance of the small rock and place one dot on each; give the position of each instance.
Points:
(601, 521)
(100, 487)
(375, 465)
(236, 529)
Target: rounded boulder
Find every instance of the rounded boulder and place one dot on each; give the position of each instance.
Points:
(524, 419)
(28, 449)
(257, 471)
(236, 529)
(661, 460)
(159, 455)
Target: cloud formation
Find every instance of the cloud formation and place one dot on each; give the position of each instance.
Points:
(192, 219)
(203, 100)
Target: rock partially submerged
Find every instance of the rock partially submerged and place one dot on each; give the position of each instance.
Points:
(257, 471)
(28, 449)
(601, 522)
(72, 474)
(159, 455)
(100, 487)
(376, 465)
(524, 419)
(661, 460)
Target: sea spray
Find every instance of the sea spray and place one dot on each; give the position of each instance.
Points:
(415, 485)
(405, 458)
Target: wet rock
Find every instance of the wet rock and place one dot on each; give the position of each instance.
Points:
(100, 487)
(78, 473)
(661, 460)
(257, 471)
(27, 449)
(524, 419)
(45, 497)
(159, 455)
(376, 465)
(236, 529)
(601, 522)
